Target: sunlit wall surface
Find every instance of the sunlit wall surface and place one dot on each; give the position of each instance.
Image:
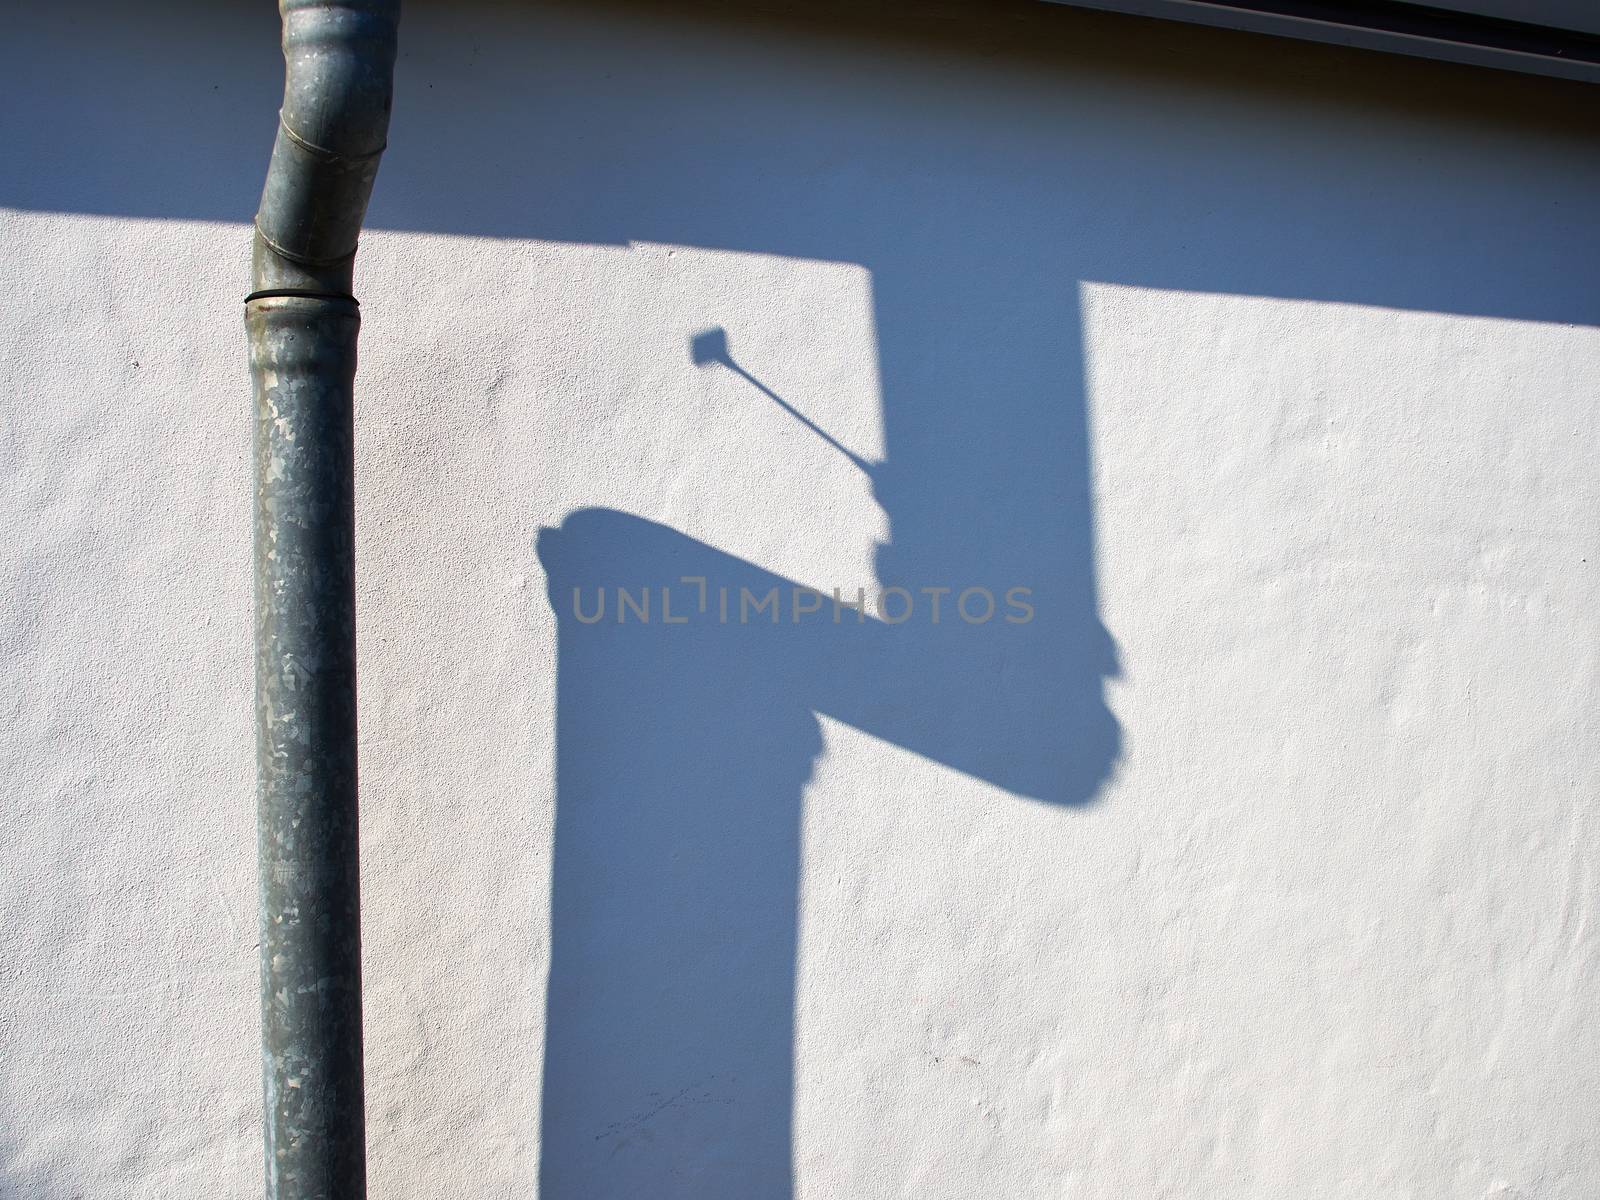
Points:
(1244, 848)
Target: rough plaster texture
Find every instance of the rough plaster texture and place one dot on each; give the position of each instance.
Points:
(1273, 366)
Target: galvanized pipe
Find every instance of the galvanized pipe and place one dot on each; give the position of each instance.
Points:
(302, 321)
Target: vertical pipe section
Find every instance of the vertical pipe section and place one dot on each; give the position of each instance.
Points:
(303, 357)
(301, 321)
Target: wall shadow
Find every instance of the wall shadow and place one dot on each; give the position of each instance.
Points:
(687, 691)
(1175, 156)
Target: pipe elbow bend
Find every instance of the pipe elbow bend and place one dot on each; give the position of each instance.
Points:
(338, 89)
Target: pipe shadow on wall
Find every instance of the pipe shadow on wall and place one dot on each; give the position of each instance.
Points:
(688, 687)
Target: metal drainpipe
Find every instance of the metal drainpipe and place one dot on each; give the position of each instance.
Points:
(302, 321)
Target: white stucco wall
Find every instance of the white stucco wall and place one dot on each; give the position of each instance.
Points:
(1270, 368)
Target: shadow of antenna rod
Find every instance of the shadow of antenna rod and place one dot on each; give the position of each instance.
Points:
(710, 347)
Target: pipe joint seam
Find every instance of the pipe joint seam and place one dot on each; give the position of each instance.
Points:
(322, 152)
(304, 260)
(301, 294)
